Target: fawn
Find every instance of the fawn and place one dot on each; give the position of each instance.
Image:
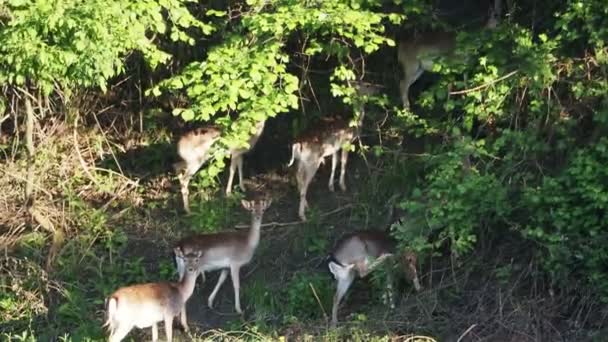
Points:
(322, 140)
(145, 305)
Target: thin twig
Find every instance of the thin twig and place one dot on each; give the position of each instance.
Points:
(127, 179)
(293, 223)
(18, 177)
(318, 300)
(80, 158)
(466, 332)
(466, 91)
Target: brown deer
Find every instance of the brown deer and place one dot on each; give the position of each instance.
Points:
(226, 250)
(418, 54)
(145, 305)
(193, 149)
(359, 253)
(322, 140)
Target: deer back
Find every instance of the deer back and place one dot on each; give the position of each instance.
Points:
(358, 246)
(195, 144)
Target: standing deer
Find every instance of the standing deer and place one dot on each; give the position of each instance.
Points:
(193, 148)
(145, 305)
(226, 250)
(322, 140)
(360, 253)
(417, 54)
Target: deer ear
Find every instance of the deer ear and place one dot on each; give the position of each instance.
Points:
(178, 252)
(246, 204)
(339, 271)
(334, 269)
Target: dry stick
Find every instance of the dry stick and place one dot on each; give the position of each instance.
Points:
(103, 134)
(29, 144)
(293, 223)
(318, 300)
(18, 177)
(415, 338)
(125, 178)
(466, 91)
(9, 238)
(83, 163)
(466, 332)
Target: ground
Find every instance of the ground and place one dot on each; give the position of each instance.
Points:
(286, 290)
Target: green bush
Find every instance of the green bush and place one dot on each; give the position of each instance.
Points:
(568, 220)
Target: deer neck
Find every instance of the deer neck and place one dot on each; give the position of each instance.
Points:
(254, 233)
(186, 285)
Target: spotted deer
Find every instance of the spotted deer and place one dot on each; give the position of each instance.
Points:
(145, 305)
(327, 138)
(359, 253)
(225, 251)
(418, 54)
(193, 148)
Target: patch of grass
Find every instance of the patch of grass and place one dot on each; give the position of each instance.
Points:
(307, 296)
(214, 214)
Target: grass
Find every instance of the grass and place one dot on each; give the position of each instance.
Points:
(121, 233)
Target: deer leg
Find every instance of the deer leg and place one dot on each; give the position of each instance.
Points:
(411, 72)
(183, 319)
(343, 285)
(343, 162)
(233, 164)
(220, 281)
(169, 328)
(154, 332)
(240, 167)
(236, 283)
(389, 294)
(334, 163)
(307, 172)
(184, 181)
(121, 331)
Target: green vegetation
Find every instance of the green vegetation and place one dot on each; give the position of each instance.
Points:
(498, 171)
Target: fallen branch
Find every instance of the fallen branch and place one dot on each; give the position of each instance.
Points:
(83, 163)
(466, 332)
(466, 91)
(293, 223)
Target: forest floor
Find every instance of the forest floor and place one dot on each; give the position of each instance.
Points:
(286, 290)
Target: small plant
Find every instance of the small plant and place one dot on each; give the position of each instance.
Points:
(307, 295)
(214, 214)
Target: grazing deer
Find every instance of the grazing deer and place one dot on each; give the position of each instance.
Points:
(322, 140)
(227, 250)
(193, 148)
(359, 253)
(418, 54)
(145, 305)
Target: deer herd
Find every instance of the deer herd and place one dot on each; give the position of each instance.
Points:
(356, 254)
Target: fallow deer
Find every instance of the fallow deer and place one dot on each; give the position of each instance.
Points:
(310, 150)
(193, 148)
(360, 253)
(145, 305)
(226, 250)
(322, 140)
(417, 54)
